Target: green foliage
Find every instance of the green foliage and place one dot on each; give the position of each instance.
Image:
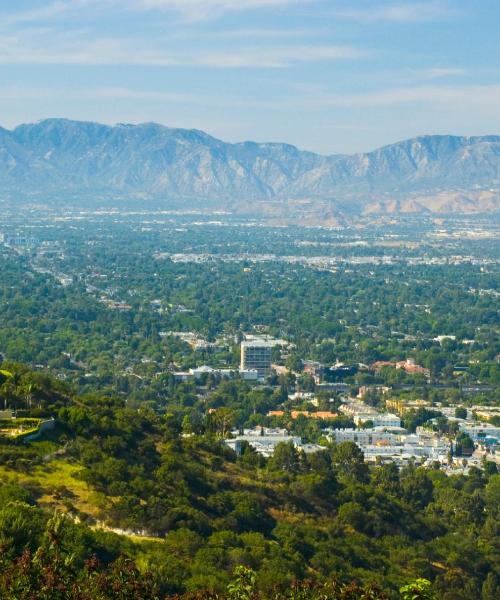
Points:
(243, 585)
(209, 511)
(349, 460)
(420, 589)
(463, 444)
(491, 587)
(285, 458)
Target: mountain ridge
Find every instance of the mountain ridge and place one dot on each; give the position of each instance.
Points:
(188, 167)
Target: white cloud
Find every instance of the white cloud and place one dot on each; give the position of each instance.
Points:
(445, 96)
(403, 13)
(53, 10)
(189, 10)
(38, 37)
(279, 57)
(200, 10)
(304, 96)
(440, 72)
(33, 46)
(99, 93)
(209, 5)
(472, 97)
(93, 52)
(120, 93)
(217, 4)
(259, 33)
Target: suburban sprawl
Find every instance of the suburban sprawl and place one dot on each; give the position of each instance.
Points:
(199, 392)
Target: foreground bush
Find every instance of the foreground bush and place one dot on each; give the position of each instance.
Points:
(47, 575)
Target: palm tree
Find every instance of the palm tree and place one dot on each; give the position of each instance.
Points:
(26, 391)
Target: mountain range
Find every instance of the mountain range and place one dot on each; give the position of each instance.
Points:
(180, 168)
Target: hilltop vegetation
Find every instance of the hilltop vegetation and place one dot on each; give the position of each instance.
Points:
(192, 510)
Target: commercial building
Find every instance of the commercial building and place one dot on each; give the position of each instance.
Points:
(197, 373)
(256, 356)
(361, 413)
(481, 431)
(402, 406)
(366, 437)
(246, 374)
(264, 441)
(394, 444)
(386, 420)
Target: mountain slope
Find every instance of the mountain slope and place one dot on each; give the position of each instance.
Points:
(58, 157)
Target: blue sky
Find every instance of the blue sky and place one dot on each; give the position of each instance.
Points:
(330, 76)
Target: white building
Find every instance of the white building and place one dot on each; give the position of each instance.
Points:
(246, 374)
(265, 440)
(378, 419)
(386, 420)
(364, 437)
(394, 443)
(256, 356)
(480, 431)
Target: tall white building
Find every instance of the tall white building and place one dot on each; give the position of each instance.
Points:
(256, 355)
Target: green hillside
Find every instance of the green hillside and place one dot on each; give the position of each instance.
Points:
(186, 509)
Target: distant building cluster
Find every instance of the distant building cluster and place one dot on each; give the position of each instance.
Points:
(378, 433)
(264, 441)
(384, 444)
(294, 414)
(482, 433)
(197, 373)
(404, 406)
(363, 413)
(196, 342)
(408, 365)
(18, 241)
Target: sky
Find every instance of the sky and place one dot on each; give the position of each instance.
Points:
(330, 76)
